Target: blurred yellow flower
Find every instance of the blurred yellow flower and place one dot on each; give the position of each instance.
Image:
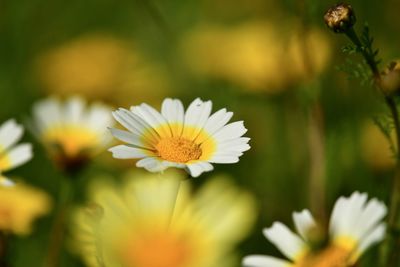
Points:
(256, 55)
(308, 53)
(100, 66)
(71, 131)
(376, 148)
(12, 155)
(20, 205)
(133, 226)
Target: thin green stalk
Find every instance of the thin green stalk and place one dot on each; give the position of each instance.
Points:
(316, 142)
(58, 229)
(175, 198)
(369, 58)
(158, 18)
(317, 162)
(392, 243)
(3, 249)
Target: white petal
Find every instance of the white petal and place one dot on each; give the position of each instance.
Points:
(217, 120)
(346, 214)
(130, 138)
(19, 155)
(304, 222)
(6, 182)
(264, 261)
(173, 111)
(372, 214)
(131, 124)
(99, 117)
(151, 164)
(224, 159)
(198, 168)
(196, 117)
(135, 124)
(154, 164)
(127, 152)
(73, 110)
(375, 236)
(336, 215)
(47, 113)
(10, 134)
(228, 154)
(234, 145)
(231, 131)
(153, 118)
(285, 240)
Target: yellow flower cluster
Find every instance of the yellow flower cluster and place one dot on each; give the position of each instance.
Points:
(256, 55)
(19, 206)
(142, 223)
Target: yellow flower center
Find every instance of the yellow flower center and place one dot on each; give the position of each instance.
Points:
(5, 218)
(5, 162)
(178, 149)
(333, 256)
(72, 140)
(157, 250)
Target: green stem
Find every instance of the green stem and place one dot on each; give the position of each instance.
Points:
(317, 162)
(58, 228)
(3, 249)
(158, 17)
(176, 188)
(392, 242)
(369, 58)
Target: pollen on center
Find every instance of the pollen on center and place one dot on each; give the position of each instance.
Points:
(333, 256)
(178, 149)
(157, 251)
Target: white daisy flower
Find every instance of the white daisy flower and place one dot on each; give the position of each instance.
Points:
(174, 138)
(72, 131)
(355, 225)
(12, 155)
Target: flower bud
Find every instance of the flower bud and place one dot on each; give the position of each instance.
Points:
(340, 18)
(390, 79)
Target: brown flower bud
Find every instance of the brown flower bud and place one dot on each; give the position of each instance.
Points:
(390, 79)
(340, 18)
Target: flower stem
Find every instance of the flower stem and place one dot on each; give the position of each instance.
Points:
(369, 58)
(158, 18)
(3, 249)
(392, 257)
(392, 243)
(317, 162)
(177, 187)
(316, 131)
(58, 229)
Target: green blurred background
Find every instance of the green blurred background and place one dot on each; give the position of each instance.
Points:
(274, 63)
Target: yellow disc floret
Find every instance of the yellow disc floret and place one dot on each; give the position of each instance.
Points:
(172, 251)
(72, 139)
(332, 256)
(178, 149)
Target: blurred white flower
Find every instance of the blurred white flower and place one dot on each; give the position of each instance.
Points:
(12, 155)
(71, 131)
(355, 225)
(174, 138)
